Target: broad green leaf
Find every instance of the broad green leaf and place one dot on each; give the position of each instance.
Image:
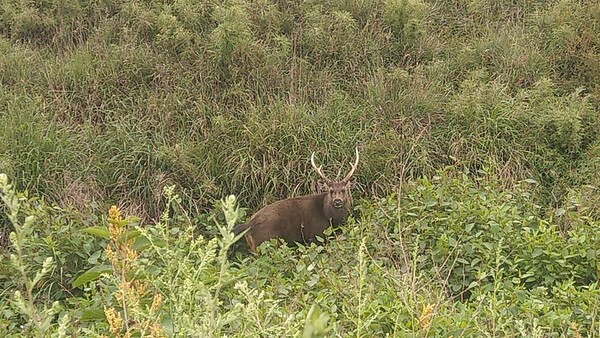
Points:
(133, 234)
(521, 295)
(452, 242)
(462, 261)
(93, 314)
(92, 274)
(430, 203)
(537, 252)
(97, 231)
(141, 243)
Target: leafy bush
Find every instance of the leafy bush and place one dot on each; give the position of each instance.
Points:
(47, 232)
(46, 253)
(461, 227)
(395, 269)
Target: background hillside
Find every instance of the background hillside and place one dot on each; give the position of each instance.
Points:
(478, 124)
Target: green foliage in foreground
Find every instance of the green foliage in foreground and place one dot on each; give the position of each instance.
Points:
(446, 256)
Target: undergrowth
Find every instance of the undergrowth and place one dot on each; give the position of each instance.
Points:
(447, 256)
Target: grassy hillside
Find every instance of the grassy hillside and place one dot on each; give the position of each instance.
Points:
(109, 101)
(478, 124)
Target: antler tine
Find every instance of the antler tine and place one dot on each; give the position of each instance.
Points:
(353, 167)
(318, 169)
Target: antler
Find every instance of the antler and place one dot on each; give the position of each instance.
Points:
(353, 167)
(319, 171)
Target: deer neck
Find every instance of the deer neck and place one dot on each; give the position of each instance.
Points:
(336, 215)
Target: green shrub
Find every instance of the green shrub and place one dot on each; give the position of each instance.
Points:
(46, 253)
(462, 227)
(399, 268)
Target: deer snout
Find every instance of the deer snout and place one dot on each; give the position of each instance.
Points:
(338, 203)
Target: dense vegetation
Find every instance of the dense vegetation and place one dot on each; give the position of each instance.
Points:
(477, 210)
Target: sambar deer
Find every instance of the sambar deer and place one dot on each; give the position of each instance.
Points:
(302, 219)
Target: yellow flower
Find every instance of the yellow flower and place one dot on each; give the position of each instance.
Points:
(427, 313)
(575, 329)
(114, 321)
(156, 301)
(114, 214)
(156, 330)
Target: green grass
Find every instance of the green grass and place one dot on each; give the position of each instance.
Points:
(206, 96)
(108, 102)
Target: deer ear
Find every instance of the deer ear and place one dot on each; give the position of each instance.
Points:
(321, 186)
(351, 183)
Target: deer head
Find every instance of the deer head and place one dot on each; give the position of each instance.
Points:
(338, 192)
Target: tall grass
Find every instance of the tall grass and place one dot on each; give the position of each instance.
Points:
(111, 101)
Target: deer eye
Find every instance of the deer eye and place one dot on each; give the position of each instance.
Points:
(331, 191)
(343, 191)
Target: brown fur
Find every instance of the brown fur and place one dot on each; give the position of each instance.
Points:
(302, 219)
(299, 219)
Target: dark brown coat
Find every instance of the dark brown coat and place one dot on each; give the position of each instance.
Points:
(301, 219)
